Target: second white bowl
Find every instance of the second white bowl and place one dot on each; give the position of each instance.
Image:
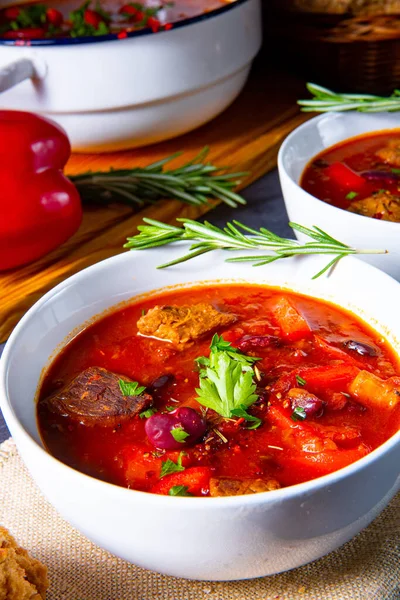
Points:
(299, 148)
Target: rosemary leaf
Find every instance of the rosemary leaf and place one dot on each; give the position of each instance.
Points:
(325, 100)
(208, 237)
(194, 183)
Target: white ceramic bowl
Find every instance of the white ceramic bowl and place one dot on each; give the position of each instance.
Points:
(111, 94)
(201, 538)
(355, 230)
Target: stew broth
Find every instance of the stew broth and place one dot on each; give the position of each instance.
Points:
(321, 358)
(361, 175)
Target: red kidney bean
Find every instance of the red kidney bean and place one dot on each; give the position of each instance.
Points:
(257, 341)
(311, 404)
(158, 428)
(382, 176)
(361, 348)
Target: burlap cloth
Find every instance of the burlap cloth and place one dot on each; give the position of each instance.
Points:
(367, 568)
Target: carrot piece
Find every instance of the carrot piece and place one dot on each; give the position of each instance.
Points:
(344, 177)
(195, 479)
(292, 324)
(332, 377)
(372, 391)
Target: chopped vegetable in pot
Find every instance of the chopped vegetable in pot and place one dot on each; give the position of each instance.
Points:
(72, 18)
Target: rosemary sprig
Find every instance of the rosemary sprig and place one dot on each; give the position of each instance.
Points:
(325, 100)
(196, 182)
(208, 237)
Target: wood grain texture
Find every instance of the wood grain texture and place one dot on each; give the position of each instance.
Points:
(246, 137)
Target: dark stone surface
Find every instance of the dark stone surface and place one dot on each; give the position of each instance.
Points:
(265, 208)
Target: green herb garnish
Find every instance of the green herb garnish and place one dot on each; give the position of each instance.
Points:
(299, 414)
(146, 413)
(351, 195)
(179, 490)
(300, 380)
(242, 413)
(226, 383)
(169, 466)
(130, 388)
(395, 171)
(179, 434)
(208, 237)
(218, 344)
(325, 100)
(170, 408)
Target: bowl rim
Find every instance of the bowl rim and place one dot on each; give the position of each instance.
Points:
(68, 41)
(387, 226)
(195, 503)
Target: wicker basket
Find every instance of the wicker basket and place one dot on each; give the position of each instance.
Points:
(347, 53)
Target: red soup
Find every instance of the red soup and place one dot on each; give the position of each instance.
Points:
(361, 175)
(217, 391)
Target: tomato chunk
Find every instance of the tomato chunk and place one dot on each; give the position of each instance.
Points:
(345, 177)
(140, 465)
(292, 324)
(195, 479)
(334, 353)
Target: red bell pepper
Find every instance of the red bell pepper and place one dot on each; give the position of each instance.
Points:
(195, 479)
(41, 208)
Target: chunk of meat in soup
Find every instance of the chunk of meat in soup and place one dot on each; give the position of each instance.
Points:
(390, 153)
(380, 205)
(181, 325)
(224, 486)
(94, 397)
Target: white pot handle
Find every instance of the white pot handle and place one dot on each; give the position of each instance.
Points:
(18, 71)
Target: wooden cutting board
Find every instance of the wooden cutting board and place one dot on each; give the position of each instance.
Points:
(246, 137)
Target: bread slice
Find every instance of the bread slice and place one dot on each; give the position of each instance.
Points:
(21, 576)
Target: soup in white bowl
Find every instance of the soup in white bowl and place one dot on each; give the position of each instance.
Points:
(217, 538)
(315, 138)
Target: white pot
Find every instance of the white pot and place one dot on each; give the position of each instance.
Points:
(223, 538)
(355, 230)
(111, 93)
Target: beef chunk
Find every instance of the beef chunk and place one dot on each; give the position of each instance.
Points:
(390, 153)
(380, 205)
(224, 486)
(95, 398)
(180, 325)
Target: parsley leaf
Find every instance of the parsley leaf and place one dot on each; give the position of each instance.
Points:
(299, 414)
(300, 380)
(351, 195)
(170, 408)
(168, 466)
(147, 413)
(218, 344)
(130, 388)
(243, 414)
(179, 490)
(179, 434)
(226, 384)
(395, 171)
